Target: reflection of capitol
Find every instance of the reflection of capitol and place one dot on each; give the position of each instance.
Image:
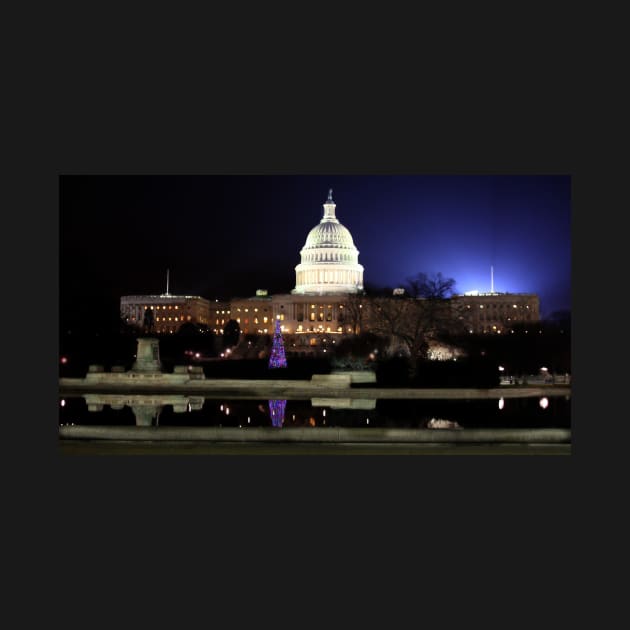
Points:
(146, 409)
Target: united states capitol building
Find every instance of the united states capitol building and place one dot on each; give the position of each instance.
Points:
(328, 300)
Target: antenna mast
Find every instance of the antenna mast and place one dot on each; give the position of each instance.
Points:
(491, 279)
(167, 282)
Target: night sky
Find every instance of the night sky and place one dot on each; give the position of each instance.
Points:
(226, 236)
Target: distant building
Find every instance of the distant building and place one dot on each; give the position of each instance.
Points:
(328, 300)
(168, 312)
(497, 312)
(314, 313)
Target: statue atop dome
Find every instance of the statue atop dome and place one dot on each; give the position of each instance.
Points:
(330, 199)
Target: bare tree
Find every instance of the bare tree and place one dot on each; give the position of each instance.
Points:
(355, 312)
(431, 287)
(423, 314)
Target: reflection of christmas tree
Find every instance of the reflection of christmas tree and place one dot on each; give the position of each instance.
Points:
(276, 410)
(277, 358)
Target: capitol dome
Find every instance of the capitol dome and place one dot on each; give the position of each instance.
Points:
(329, 259)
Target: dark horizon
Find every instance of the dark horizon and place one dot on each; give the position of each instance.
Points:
(227, 236)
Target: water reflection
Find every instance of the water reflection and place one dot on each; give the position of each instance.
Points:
(146, 409)
(167, 410)
(442, 423)
(276, 411)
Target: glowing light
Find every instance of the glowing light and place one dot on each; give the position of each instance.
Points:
(197, 355)
(501, 368)
(501, 403)
(63, 402)
(64, 360)
(544, 402)
(276, 410)
(277, 358)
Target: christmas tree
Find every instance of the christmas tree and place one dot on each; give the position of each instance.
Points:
(277, 358)
(276, 411)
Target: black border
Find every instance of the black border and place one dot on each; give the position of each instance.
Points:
(316, 125)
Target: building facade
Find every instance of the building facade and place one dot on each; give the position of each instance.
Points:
(497, 313)
(327, 302)
(168, 312)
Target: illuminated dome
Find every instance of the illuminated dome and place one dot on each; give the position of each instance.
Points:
(329, 258)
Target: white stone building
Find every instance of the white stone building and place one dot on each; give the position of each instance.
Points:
(329, 259)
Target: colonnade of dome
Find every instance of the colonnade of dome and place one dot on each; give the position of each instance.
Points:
(329, 259)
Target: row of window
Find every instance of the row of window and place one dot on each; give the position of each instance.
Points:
(500, 306)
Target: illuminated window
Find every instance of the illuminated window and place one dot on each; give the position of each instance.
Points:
(281, 317)
(265, 319)
(176, 307)
(312, 317)
(312, 341)
(321, 316)
(189, 318)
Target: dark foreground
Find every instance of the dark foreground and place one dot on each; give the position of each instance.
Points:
(115, 447)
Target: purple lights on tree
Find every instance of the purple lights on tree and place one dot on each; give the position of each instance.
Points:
(276, 411)
(277, 358)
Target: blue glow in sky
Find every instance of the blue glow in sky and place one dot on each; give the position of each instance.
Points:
(227, 236)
